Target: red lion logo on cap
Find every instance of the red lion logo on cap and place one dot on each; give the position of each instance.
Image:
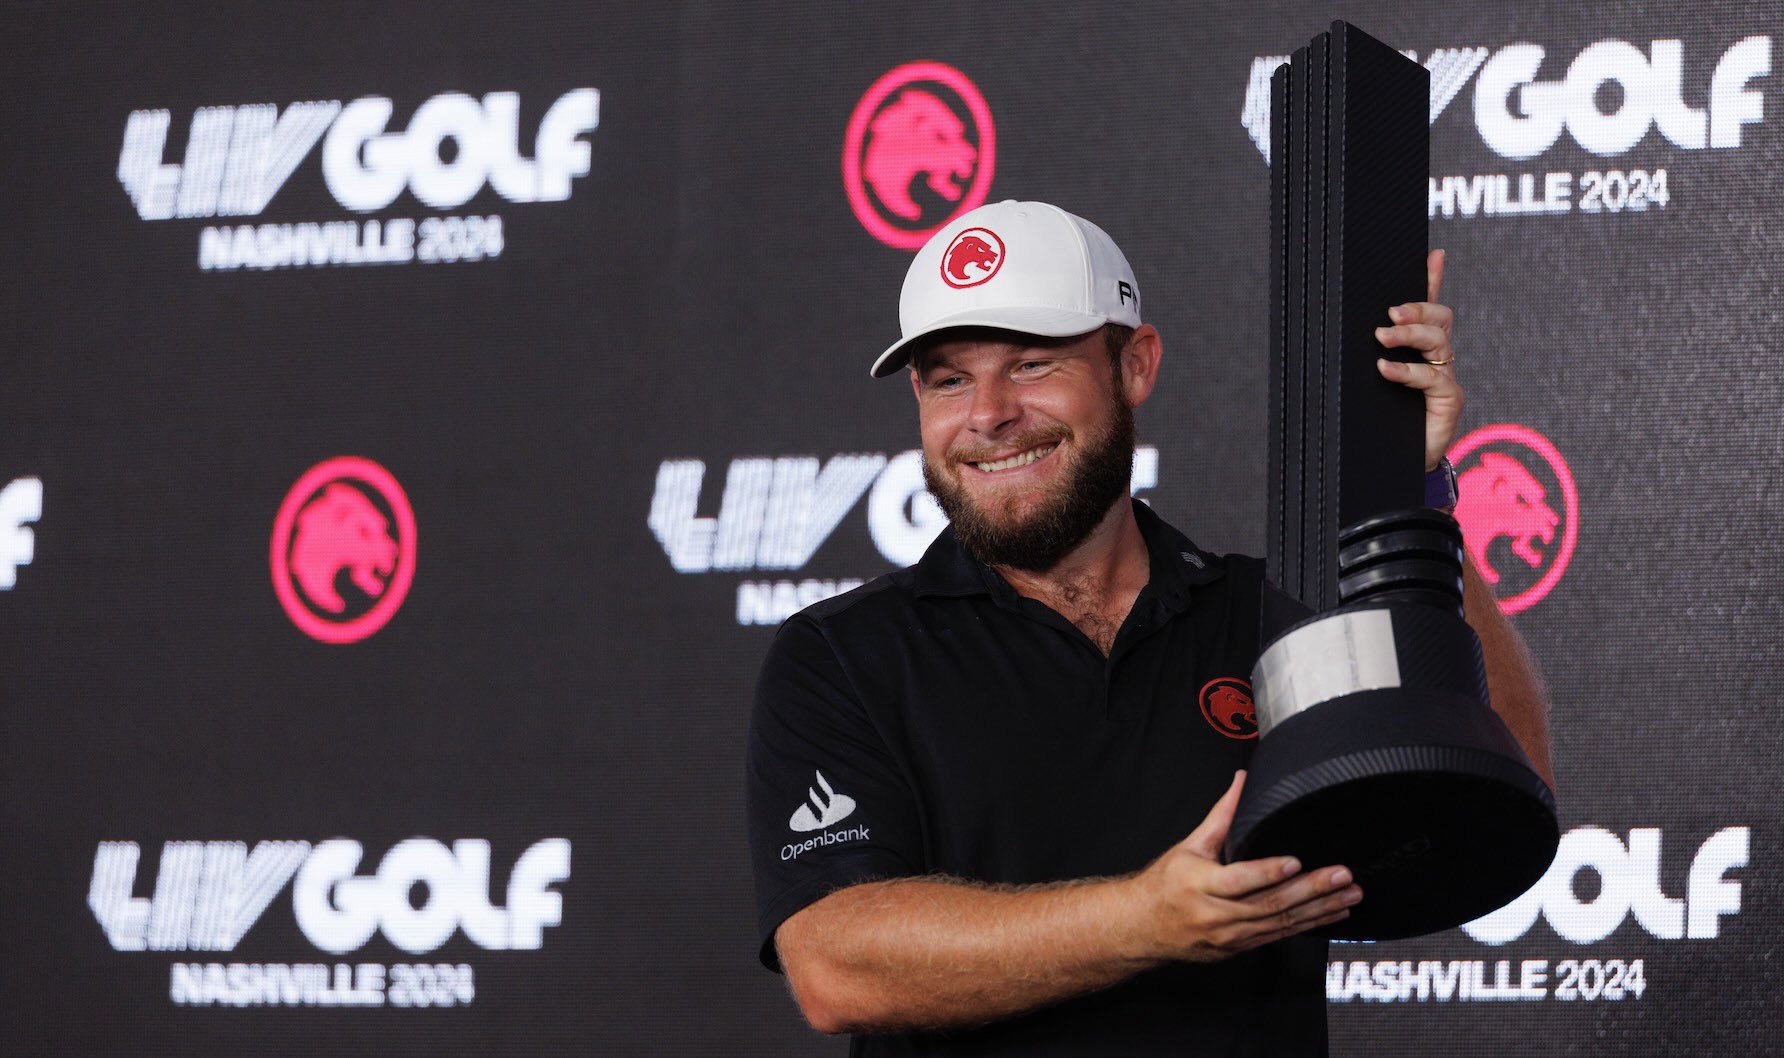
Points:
(970, 250)
(975, 248)
(917, 133)
(1499, 497)
(1227, 706)
(340, 529)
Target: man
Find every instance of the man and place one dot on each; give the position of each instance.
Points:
(970, 781)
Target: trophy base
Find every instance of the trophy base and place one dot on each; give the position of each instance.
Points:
(1424, 795)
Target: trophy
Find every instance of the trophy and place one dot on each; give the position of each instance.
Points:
(1377, 746)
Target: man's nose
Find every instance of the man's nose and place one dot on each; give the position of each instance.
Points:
(996, 406)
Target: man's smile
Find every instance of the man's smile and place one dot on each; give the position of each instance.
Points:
(1020, 459)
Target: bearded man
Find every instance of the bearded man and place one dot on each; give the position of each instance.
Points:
(985, 807)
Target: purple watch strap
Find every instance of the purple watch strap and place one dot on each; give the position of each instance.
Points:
(1440, 486)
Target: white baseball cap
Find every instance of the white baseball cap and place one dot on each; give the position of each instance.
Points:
(1019, 266)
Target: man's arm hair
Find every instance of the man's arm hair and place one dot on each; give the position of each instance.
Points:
(935, 953)
(1513, 682)
(938, 952)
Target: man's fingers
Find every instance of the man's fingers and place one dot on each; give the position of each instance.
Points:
(1425, 337)
(1226, 909)
(1207, 838)
(1300, 926)
(1444, 401)
(1253, 880)
(1307, 898)
(1275, 884)
(1434, 313)
(1307, 903)
(1433, 274)
(1427, 377)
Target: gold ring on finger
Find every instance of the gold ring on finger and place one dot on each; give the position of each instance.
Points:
(1440, 363)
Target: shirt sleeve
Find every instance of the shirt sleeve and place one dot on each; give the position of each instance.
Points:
(828, 806)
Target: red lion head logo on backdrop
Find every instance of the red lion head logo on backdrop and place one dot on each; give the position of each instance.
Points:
(917, 133)
(329, 522)
(1499, 497)
(340, 529)
(918, 119)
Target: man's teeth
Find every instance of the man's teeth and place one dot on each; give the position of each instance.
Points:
(1020, 459)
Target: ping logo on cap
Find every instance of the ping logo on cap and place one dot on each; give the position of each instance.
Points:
(973, 257)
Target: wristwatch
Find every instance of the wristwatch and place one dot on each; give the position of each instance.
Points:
(1440, 487)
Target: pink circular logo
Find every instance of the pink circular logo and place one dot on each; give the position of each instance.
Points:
(1518, 510)
(922, 119)
(974, 256)
(343, 553)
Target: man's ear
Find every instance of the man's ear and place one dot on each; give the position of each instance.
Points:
(1139, 364)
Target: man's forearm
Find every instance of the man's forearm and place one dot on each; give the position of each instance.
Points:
(936, 953)
(931, 953)
(1513, 683)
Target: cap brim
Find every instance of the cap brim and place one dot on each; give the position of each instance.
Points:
(1043, 323)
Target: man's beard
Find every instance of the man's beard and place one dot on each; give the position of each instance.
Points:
(1067, 511)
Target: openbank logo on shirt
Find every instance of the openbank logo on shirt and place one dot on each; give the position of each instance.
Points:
(821, 811)
(21, 503)
(776, 511)
(208, 894)
(238, 157)
(1606, 98)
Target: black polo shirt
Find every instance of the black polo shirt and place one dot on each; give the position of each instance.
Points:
(936, 722)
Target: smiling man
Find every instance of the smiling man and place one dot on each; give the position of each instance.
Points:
(985, 804)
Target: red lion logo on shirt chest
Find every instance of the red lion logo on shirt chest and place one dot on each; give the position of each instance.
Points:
(1227, 706)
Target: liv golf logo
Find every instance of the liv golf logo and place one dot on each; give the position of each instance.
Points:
(774, 513)
(1602, 892)
(207, 895)
(238, 157)
(21, 503)
(1635, 108)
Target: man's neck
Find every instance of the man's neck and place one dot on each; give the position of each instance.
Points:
(1095, 584)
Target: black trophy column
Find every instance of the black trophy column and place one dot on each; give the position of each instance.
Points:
(1378, 748)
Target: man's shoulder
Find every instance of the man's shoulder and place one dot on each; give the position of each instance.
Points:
(1178, 559)
(847, 630)
(885, 594)
(944, 570)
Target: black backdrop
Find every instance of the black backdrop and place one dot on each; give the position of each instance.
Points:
(698, 297)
